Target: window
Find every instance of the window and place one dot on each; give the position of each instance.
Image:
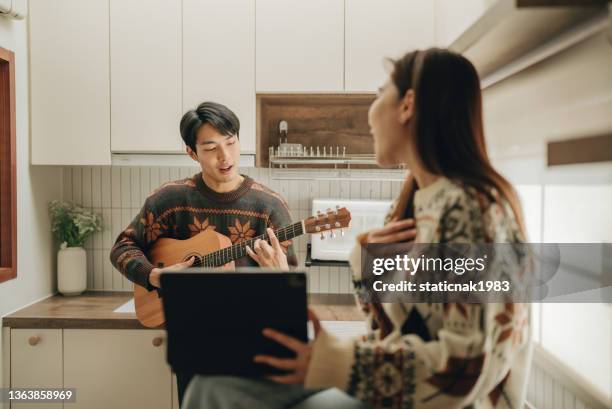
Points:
(8, 170)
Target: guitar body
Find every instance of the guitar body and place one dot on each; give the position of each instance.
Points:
(166, 252)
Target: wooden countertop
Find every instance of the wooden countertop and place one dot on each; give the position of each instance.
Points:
(95, 310)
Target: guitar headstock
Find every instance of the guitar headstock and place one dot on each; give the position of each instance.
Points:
(329, 221)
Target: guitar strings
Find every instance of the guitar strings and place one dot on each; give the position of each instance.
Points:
(224, 256)
(219, 257)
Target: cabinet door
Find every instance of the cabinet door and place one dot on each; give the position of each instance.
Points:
(5, 359)
(219, 59)
(69, 77)
(145, 48)
(117, 369)
(383, 29)
(36, 362)
(300, 45)
(454, 17)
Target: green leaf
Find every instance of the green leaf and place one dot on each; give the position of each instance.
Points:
(72, 223)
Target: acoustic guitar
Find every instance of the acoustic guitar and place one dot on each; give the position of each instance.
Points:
(214, 250)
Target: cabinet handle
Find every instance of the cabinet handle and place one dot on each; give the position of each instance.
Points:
(34, 340)
(157, 341)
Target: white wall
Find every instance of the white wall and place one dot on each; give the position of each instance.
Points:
(35, 187)
(566, 96)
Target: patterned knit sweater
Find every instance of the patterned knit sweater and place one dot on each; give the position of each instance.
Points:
(436, 355)
(183, 208)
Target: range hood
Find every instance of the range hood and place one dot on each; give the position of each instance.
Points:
(514, 34)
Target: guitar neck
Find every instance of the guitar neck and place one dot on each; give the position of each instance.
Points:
(228, 254)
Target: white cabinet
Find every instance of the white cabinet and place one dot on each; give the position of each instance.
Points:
(300, 45)
(117, 75)
(145, 68)
(69, 79)
(219, 59)
(108, 368)
(333, 45)
(383, 29)
(117, 369)
(454, 17)
(36, 362)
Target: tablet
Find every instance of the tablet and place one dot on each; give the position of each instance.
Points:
(214, 320)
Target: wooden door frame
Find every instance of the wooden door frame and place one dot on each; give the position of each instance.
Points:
(8, 167)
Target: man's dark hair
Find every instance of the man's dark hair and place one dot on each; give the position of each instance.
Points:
(218, 116)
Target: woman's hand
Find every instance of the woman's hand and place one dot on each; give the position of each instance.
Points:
(393, 232)
(269, 255)
(297, 366)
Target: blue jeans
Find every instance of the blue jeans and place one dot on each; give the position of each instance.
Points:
(227, 392)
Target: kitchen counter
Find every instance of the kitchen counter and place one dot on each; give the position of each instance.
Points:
(95, 310)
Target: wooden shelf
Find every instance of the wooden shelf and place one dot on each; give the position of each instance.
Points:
(592, 149)
(347, 160)
(509, 29)
(324, 120)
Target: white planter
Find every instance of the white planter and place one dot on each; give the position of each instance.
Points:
(71, 270)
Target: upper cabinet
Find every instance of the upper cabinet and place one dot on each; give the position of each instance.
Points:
(219, 59)
(69, 82)
(145, 60)
(300, 45)
(383, 29)
(116, 76)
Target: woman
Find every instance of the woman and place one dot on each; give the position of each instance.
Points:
(429, 116)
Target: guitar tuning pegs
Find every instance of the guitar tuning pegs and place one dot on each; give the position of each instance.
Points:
(322, 236)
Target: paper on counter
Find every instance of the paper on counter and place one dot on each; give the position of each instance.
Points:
(128, 307)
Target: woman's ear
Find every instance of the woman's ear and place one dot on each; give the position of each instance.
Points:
(407, 107)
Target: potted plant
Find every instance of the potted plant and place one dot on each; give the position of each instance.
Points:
(72, 225)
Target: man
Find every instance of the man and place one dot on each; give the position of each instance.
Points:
(217, 198)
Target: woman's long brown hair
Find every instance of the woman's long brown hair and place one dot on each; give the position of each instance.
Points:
(447, 126)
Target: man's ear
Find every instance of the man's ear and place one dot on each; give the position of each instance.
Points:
(191, 153)
(406, 107)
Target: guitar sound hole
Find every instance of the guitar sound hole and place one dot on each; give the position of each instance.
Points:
(197, 262)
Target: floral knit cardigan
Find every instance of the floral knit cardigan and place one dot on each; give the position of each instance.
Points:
(465, 356)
